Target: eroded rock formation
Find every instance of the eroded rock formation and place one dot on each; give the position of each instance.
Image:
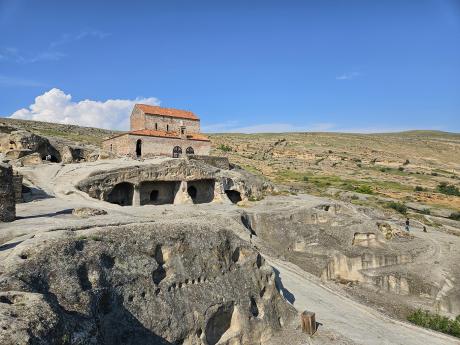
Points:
(7, 194)
(26, 148)
(140, 284)
(174, 181)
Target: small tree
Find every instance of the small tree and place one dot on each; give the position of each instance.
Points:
(448, 189)
(397, 206)
(364, 189)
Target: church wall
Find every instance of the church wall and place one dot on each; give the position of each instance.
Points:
(154, 146)
(137, 119)
(171, 124)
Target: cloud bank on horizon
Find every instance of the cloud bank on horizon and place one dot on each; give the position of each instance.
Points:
(57, 106)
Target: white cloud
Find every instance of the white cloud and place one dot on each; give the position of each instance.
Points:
(67, 38)
(56, 106)
(348, 76)
(50, 54)
(13, 54)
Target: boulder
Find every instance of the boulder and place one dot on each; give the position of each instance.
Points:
(15, 154)
(32, 159)
(169, 283)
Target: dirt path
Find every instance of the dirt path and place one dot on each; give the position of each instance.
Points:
(341, 315)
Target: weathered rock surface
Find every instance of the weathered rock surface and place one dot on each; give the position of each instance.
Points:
(7, 194)
(193, 283)
(85, 212)
(379, 261)
(20, 145)
(211, 180)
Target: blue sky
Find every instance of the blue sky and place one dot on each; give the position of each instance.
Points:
(249, 66)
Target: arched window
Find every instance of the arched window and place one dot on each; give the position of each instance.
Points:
(189, 150)
(139, 148)
(156, 126)
(167, 128)
(177, 151)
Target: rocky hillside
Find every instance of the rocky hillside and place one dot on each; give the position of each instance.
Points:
(408, 166)
(411, 167)
(189, 283)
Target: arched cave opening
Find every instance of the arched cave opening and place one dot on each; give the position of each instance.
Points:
(158, 192)
(122, 194)
(233, 195)
(201, 191)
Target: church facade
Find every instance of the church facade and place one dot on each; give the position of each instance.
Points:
(158, 131)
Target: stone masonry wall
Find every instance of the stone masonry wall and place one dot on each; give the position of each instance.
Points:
(154, 146)
(7, 200)
(165, 123)
(137, 119)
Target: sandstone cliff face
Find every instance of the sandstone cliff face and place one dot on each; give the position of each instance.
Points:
(101, 184)
(20, 145)
(140, 284)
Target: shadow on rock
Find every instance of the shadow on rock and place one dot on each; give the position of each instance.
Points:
(279, 285)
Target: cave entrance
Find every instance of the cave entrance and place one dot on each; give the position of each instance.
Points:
(192, 192)
(139, 147)
(234, 196)
(121, 194)
(201, 191)
(158, 192)
(50, 158)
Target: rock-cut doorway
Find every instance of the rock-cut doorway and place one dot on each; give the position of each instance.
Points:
(139, 148)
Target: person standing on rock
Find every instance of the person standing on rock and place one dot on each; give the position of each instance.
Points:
(407, 225)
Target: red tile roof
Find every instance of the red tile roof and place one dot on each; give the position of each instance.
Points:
(164, 134)
(170, 112)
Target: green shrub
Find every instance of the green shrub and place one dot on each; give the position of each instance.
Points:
(448, 189)
(419, 189)
(435, 322)
(455, 216)
(401, 168)
(425, 211)
(224, 148)
(434, 174)
(364, 189)
(406, 162)
(354, 197)
(305, 178)
(383, 169)
(397, 206)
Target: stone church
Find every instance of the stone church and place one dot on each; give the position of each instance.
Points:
(157, 131)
